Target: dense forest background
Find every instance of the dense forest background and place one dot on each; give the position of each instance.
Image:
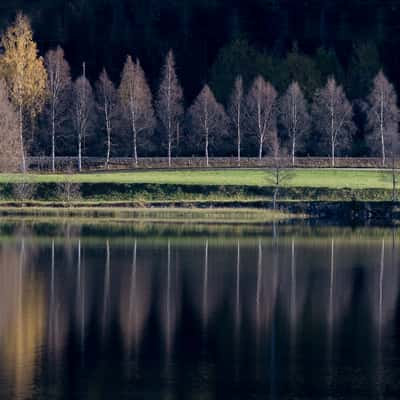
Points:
(214, 40)
(221, 37)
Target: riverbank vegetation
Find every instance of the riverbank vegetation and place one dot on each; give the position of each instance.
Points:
(196, 188)
(148, 215)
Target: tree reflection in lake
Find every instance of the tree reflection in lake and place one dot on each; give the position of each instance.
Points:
(274, 314)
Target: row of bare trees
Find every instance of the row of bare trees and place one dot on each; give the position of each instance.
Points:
(257, 113)
(330, 115)
(33, 86)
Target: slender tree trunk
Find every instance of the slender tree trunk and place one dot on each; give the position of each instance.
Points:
(80, 152)
(108, 147)
(108, 129)
(293, 149)
(135, 156)
(169, 117)
(382, 133)
(393, 180)
(169, 138)
(134, 133)
(260, 149)
(238, 147)
(21, 138)
(53, 140)
(239, 134)
(177, 138)
(207, 149)
(169, 150)
(333, 154)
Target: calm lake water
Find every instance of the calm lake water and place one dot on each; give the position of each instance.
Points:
(174, 312)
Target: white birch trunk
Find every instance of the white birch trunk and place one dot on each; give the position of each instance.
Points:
(239, 136)
(21, 138)
(53, 139)
(382, 133)
(80, 152)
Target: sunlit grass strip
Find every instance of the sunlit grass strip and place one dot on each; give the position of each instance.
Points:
(171, 215)
(317, 178)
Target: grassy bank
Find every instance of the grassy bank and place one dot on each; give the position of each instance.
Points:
(159, 215)
(253, 185)
(309, 178)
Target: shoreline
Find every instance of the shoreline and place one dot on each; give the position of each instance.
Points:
(214, 211)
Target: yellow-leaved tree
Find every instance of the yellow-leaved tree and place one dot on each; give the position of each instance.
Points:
(24, 73)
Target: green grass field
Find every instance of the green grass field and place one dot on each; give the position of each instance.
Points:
(311, 178)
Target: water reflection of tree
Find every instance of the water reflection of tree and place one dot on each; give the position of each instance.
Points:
(135, 301)
(384, 285)
(57, 319)
(169, 299)
(22, 316)
(106, 291)
(206, 281)
(266, 286)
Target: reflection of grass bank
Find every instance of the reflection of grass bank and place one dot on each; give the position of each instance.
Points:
(95, 232)
(140, 215)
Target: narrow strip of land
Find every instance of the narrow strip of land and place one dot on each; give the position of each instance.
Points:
(302, 178)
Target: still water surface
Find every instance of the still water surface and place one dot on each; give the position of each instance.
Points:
(151, 313)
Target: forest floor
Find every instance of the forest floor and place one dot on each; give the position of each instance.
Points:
(291, 178)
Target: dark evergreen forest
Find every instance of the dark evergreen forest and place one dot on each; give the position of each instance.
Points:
(215, 39)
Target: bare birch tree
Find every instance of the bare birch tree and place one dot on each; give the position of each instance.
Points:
(108, 103)
(82, 111)
(58, 96)
(332, 116)
(235, 110)
(382, 114)
(10, 153)
(68, 190)
(279, 173)
(261, 111)
(208, 119)
(294, 117)
(169, 104)
(136, 100)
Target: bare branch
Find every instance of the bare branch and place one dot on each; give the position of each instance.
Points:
(82, 112)
(208, 119)
(261, 112)
(333, 117)
(58, 94)
(382, 114)
(236, 111)
(294, 117)
(169, 103)
(108, 104)
(136, 100)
